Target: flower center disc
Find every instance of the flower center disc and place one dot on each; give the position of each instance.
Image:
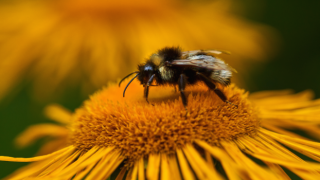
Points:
(139, 128)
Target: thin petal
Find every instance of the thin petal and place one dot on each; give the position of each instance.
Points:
(121, 174)
(134, 171)
(254, 170)
(35, 132)
(232, 171)
(199, 165)
(185, 169)
(267, 94)
(58, 113)
(165, 172)
(153, 167)
(38, 158)
(129, 174)
(174, 169)
(141, 169)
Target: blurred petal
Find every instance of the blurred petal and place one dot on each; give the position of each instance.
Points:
(63, 43)
(35, 132)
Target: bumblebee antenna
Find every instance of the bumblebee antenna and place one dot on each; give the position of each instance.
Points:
(129, 82)
(127, 77)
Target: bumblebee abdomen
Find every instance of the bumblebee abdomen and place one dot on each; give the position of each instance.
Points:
(221, 76)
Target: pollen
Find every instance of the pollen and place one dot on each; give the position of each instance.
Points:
(139, 129)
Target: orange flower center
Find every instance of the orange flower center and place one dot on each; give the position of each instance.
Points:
(138, 128)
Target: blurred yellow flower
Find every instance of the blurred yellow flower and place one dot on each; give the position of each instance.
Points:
(61, 43)
(215, 141)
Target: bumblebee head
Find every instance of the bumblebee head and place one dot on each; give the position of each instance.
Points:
(145, 74)
(146, 71)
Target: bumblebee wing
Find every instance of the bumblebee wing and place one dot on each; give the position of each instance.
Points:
(203, 61)
(207, 52)
(221, 72)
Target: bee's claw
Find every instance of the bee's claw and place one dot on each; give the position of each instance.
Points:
(232, 104)
(186, 112)
(149, 102)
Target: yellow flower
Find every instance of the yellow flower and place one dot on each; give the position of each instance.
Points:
(215, 141)
(61, 43)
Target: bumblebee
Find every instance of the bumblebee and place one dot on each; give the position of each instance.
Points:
(171, 66)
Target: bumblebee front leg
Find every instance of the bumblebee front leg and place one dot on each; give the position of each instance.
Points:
(182, 85)
(146, 88)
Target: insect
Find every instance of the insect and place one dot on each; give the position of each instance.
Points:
(171, 66)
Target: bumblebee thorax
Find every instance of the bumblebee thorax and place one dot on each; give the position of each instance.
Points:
(166, 73)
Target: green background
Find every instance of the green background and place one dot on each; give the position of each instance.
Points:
(295, 66)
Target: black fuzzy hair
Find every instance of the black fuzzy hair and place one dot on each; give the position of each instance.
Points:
(170, 53)
(143, 73)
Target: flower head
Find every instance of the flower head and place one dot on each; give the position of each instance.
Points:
(86, 43)
(147, 140)
(140, 129)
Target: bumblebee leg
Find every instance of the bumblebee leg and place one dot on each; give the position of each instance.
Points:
(182, 84)
(213, 87)
(146, 88)
(146, 92)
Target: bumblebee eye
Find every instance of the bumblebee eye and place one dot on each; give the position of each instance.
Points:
(148, 68)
